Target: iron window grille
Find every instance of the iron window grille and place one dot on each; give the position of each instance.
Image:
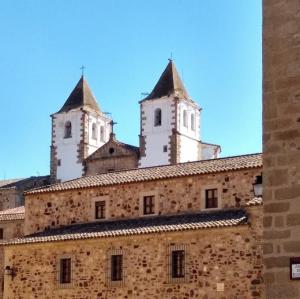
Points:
(211, 198)
(116, 261)
(64, 275)
(178, 266)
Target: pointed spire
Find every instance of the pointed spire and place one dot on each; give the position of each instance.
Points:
(168, 84)
(81, 96)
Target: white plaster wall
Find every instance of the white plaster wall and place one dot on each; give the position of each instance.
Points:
(210, 151)
(189, 139)
(67, 147)
(99, 120)
(190, 108)
(157, 137)
(189, 149)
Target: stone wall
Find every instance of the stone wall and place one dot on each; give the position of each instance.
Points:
(185, 194)
(222, 263)
(11, 229)
(8, 198)
(281, 126)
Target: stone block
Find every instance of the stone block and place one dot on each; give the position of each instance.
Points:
(293, 219)
(276, 207)
(276, 234)
(292, 246)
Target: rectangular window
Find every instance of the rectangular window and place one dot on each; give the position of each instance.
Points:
(117, 267)
(211, 198)
(100, 209)
(65, 270)
(149, 205)
(1, 233)
(178, 263)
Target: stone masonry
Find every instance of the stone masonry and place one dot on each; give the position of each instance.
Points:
(221, 263)
(176, 195)
(281, 145)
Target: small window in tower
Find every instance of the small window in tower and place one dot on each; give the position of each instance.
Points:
(1, 234)
(165, 148)
(157, 117)
(193, 121)
(58, 162)
(94, 131)
(68, 129)
(185, 121)
(102, 133)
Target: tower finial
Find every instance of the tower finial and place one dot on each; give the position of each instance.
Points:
(82, 70)
(171, 57)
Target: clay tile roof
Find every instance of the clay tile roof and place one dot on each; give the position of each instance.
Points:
(256, 201)
(13, 214)
(137, 226)
(157, 173)
(81, 96)
(168, 84)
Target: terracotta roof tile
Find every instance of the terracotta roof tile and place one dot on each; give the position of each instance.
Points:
(256, 201)
(13, 214)
(156, 173)
(156, 224)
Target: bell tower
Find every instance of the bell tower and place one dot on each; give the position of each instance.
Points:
(170, 123)
(78, 129)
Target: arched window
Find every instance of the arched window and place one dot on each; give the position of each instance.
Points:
(157, 117)
(68, 129)
(185, 120)
(193, 121)
(94, 131)
(102, 133)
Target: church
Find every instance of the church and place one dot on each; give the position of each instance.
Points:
(169, 213)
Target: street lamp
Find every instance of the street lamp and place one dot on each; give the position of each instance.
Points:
(257, 186)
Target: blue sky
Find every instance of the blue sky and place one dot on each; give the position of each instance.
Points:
(125, 46)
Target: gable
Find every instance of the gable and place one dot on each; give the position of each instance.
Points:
(114, 149)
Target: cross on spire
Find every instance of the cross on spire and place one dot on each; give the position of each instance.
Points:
(112, 126)
(82, 70)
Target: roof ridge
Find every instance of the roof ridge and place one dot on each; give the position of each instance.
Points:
(202, 167)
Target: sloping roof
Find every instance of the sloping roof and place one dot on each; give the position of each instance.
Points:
(157, 224)
(158, 172)
(168, 84)
(4, 183)
(13, 214)
(26, 183)
(256, 201)
(81, 96)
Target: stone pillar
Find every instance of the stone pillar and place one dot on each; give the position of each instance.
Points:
(281, 145)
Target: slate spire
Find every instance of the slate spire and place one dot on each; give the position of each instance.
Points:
(169, 84)
(81, 96)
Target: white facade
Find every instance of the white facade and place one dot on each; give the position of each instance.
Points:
(69, 161)
(210, 151)
(158, 137)
(189, 128)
